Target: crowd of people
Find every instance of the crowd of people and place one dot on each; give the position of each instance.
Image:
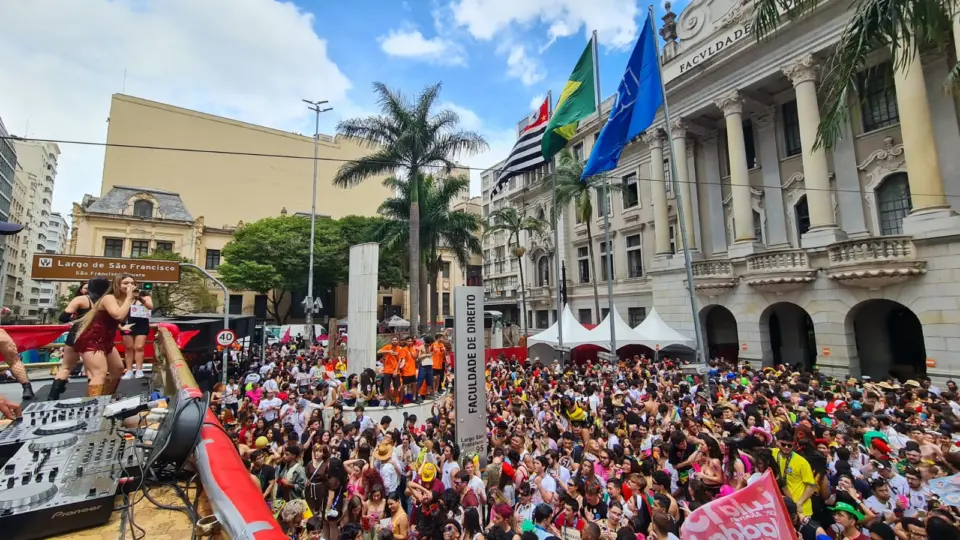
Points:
(589, 450)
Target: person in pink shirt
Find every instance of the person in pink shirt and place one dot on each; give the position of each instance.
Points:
(255, 394)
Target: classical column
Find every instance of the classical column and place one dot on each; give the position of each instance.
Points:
(661, 223)
(362, 307)
(919, 144)
(956, 31)
(732, 107)
(714, 226)
(679, 134)
(849, 190)
(776, 225)
(823, 223)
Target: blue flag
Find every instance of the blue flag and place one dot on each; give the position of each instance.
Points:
(638, 98)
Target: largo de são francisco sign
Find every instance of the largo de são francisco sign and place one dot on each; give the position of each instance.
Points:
(54, 267)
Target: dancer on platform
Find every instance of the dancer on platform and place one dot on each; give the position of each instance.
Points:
(83, 301)
(135, 339)
(98, 329)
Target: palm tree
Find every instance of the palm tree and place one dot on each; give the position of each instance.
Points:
(513, 222)
(904, 26)
(571, 189)
(407, 139)
(440, 227)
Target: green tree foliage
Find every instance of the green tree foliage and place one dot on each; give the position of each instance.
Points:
(191, 295)
(392, 272)
(408, 138)
(271, 257)
(507, 219)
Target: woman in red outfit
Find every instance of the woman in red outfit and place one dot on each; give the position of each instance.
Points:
(98, 329)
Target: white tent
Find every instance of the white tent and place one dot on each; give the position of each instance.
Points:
(574, 333)
(624, 334)
(659, 333)
(397, 322)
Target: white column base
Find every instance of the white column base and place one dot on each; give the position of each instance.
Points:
(742, 249)
(932, 223)
(816, 238)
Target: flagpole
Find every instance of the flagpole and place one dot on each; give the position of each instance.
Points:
(607, 202)
(556, 239)
(701, 357)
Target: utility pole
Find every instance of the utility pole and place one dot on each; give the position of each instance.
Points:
(308, 301)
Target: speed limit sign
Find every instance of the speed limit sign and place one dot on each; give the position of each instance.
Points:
(225, 338)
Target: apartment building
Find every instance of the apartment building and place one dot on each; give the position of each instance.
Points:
(847, 258)
(37, 172)
(501, 271)
(8, 247)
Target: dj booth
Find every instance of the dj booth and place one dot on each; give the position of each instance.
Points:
(71, 464)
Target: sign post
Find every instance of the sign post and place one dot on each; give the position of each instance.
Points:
(226, 337)
(55, 267)
(470, 392)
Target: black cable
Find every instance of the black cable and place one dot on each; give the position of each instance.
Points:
(538, 175)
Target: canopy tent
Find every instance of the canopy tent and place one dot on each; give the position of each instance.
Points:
(574, 333)
(397, 322)
(624, 334)
(659, 333)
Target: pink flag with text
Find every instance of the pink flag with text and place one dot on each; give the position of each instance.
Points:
(754, 512)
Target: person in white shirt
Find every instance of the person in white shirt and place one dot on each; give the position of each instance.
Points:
(544, 486)
(364, 421)
(916, 494)
(881, 502)
(269, 407)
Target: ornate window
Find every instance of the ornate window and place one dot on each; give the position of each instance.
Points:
(893, 203)
(878, 98)
(143, 209)
(543, 271)
(791, 129)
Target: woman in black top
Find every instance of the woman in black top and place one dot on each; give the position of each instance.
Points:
(135, 339)
(83, 300)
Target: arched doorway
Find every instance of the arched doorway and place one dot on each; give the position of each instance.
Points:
(720, 329)
(889, 339)
(787, 336)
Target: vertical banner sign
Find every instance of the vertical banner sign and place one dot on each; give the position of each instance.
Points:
(469, 369)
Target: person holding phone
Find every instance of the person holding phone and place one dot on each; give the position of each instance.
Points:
(97, 330)
(135, 339)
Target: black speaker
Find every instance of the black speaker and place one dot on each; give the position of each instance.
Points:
(260, 306)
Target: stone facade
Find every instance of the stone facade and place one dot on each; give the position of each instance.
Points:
(847, 257)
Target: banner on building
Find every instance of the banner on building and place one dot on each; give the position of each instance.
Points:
(756, 511)
(470, 382)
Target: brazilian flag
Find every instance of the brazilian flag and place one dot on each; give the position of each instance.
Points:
(577, 101)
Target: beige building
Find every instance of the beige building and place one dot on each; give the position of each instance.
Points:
(452, 273)
(848, 258)
(250, 171)
(16, 257)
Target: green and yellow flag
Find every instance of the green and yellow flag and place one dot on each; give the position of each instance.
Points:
(577, 101)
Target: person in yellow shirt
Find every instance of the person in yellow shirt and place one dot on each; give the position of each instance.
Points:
(795, 473)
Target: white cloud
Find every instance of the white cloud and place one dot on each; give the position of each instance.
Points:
(248, 59)
(537, 101)
(500, 143)
(520, 66)
(411, 43)
(614, 20)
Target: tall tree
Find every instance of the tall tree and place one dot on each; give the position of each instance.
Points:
(571, 189)
(407, 140)
(191, 295)
(513, 222)
(902, 26)
(441, 227)
(271, 256)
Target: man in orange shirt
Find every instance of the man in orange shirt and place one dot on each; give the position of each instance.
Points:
(408, 367)
(439, 352)
(391, 368)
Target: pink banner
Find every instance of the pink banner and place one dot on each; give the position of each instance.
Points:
(756, 511)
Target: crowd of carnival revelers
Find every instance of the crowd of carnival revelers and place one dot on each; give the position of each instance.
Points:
(587, 450)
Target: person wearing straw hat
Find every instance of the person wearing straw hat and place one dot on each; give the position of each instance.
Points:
(388, 467)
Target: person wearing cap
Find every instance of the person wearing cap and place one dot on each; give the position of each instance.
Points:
(847, 517)
(885, 470)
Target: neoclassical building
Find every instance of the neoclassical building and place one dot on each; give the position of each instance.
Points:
(847, 257)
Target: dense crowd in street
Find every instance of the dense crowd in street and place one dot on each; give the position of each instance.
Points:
(588, 451)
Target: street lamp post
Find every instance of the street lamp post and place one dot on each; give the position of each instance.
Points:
(308, 301)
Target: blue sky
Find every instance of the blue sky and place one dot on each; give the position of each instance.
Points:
(254, 60)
